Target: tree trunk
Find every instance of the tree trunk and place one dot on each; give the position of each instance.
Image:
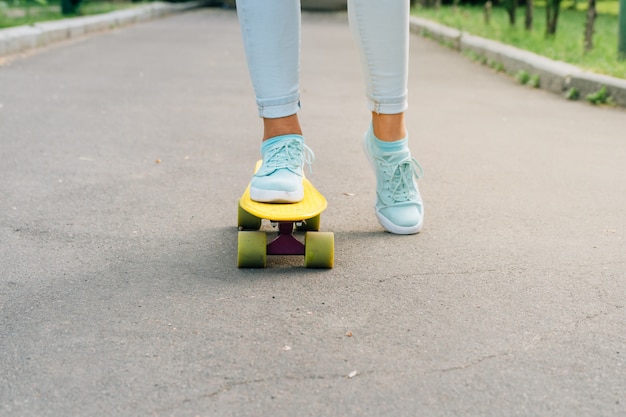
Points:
(552, 16)
(557, 9)
(511, 8)
(621, 36)
(548, 16)
(69, 7)
(589, 25)
(528, 22)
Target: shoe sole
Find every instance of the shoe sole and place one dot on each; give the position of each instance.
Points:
(387, 224)
(398, 230)
(273, 196)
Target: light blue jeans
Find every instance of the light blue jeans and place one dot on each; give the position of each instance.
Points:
(271, 34)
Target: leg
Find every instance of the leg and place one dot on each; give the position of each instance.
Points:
(381, 29)
(281, 126)
(389, 127)
(271, 35)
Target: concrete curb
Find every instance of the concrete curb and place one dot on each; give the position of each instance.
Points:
(555, 76)
(22, 38)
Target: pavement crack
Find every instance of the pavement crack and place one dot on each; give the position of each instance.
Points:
(228, 386)
(473, 363)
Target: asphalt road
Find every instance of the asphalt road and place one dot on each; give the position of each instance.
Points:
(122, 157)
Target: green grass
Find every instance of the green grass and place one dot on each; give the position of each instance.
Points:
(18, 13)
(566, 46)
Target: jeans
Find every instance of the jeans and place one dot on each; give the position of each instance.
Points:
(271, 35)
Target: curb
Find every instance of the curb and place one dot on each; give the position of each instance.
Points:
(22, 38)
(555, 76)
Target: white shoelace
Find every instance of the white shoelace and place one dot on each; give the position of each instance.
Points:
(291, 155)
(399, 186)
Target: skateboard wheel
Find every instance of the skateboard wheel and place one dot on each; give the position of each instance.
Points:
(319, 250)
(251, 249)
(312, 224)
(246, 220)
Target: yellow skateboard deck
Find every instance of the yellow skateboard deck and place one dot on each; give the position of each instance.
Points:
(313, 204)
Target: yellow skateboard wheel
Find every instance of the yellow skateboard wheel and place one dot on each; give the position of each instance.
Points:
(319, 250)
(251, 249)
(246, 220)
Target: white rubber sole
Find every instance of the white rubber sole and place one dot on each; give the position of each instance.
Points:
(274, 196)
(399, 230)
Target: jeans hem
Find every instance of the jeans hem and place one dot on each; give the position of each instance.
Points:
(388, 106)
(276, 108)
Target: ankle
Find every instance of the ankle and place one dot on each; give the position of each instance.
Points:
(389, 146)
(281, 126)
(389, 127)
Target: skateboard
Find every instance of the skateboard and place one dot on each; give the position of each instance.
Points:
(288, 219)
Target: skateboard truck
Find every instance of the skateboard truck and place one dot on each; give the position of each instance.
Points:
(285, 243)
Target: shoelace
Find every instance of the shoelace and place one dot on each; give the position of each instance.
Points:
(290, 154)
(400, 184)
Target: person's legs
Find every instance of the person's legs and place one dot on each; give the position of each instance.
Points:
(271, 34)
(271, 38)
(381, 29)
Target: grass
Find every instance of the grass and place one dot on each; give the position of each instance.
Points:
(18, 13)
(566, 46)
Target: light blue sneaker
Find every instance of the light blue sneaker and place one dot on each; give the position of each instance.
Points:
(279, 180)
(399, 206)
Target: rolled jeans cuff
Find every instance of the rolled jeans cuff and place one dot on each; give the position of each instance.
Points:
(387, 105)
(273, 108)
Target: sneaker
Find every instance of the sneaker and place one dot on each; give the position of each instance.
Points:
(279, 180)
(399, 206)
